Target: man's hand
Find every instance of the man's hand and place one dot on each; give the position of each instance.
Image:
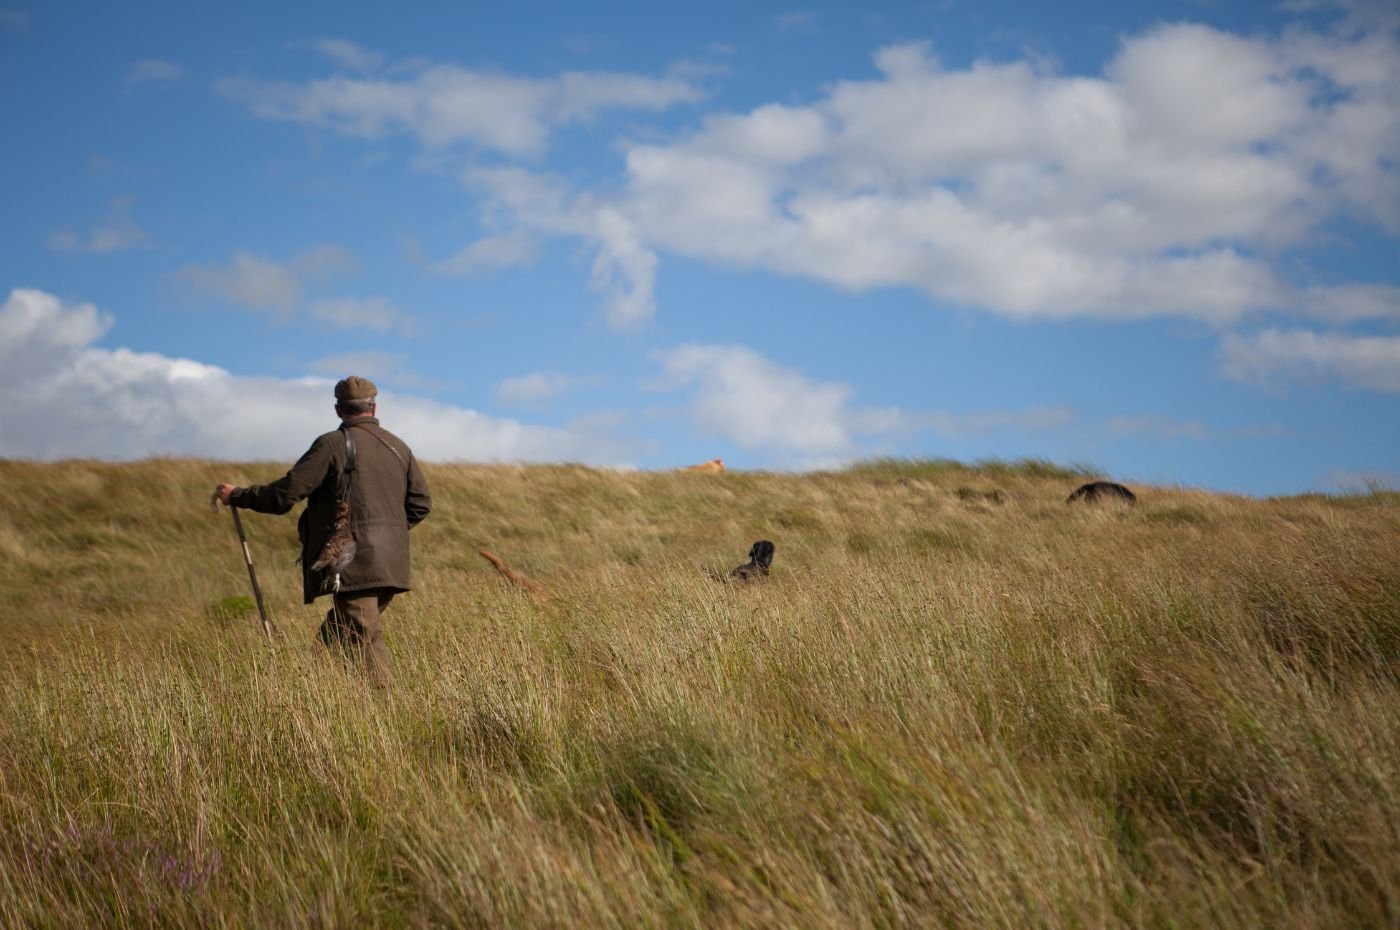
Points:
(223, 491)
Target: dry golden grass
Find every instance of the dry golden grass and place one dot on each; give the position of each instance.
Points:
(957, 702)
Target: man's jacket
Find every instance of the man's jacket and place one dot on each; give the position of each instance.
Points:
(388, 495)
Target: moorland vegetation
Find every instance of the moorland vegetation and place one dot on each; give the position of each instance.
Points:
(956, 702)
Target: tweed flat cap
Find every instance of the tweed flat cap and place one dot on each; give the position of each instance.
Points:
(355, 388)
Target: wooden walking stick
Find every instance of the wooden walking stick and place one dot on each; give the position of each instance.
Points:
(247, 560)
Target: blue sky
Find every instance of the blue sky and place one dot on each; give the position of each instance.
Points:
(1162, 239)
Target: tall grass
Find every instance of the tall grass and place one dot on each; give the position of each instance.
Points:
(957, 702)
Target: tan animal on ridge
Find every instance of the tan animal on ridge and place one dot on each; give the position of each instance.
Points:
(714, 464)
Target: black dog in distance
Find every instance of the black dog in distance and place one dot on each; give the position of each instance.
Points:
(1101, 492)
(760, 558)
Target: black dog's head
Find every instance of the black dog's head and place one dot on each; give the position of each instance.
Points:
(760, 557)
(762, 554)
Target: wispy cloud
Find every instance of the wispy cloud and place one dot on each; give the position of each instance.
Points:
(389, 369)
(116, 232)
(1035, 418)
(259, 283)
(797, 20)
(348, 55)
(491, 253)
(1156, 426)
(446, 104)
(374, 313)
(1364, 362)
(537, 387)
(153, 70)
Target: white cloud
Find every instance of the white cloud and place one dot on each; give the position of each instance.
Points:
(153, 70)
(624, 271)
(490, 254)
(743, 396)
(1366, 362)
(445, 104)
(740, 395)
(67, 398)
(1351, 302)
(348, 55)
(261, 284)
(1170, 184)
(376, 313)
(117, 232)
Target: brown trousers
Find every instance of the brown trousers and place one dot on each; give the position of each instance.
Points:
(353, 627)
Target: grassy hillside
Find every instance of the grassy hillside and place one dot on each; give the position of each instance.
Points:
(957, 702)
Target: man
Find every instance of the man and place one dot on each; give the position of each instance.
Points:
(387, 496)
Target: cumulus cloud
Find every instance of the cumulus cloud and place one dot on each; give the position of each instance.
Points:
(1365, 362)
(1169, 184)
(259, 283)
(446, 104)
(1172, 181)
(743, 396)
(740, 395)
(66, 397)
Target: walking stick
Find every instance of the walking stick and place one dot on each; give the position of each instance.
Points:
(248, 560)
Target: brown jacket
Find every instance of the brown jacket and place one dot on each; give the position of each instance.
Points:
(388, 496)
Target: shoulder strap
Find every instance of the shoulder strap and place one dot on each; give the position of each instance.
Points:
(349, 473)
(384, 442)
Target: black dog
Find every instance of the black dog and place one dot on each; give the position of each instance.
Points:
(760, 558)
(1102, 491)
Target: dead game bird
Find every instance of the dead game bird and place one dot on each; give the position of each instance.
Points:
(339, 549)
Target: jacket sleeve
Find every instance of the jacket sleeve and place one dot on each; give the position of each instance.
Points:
(279, 496)
(416, 503)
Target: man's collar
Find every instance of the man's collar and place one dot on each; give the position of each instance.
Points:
(365, 420)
